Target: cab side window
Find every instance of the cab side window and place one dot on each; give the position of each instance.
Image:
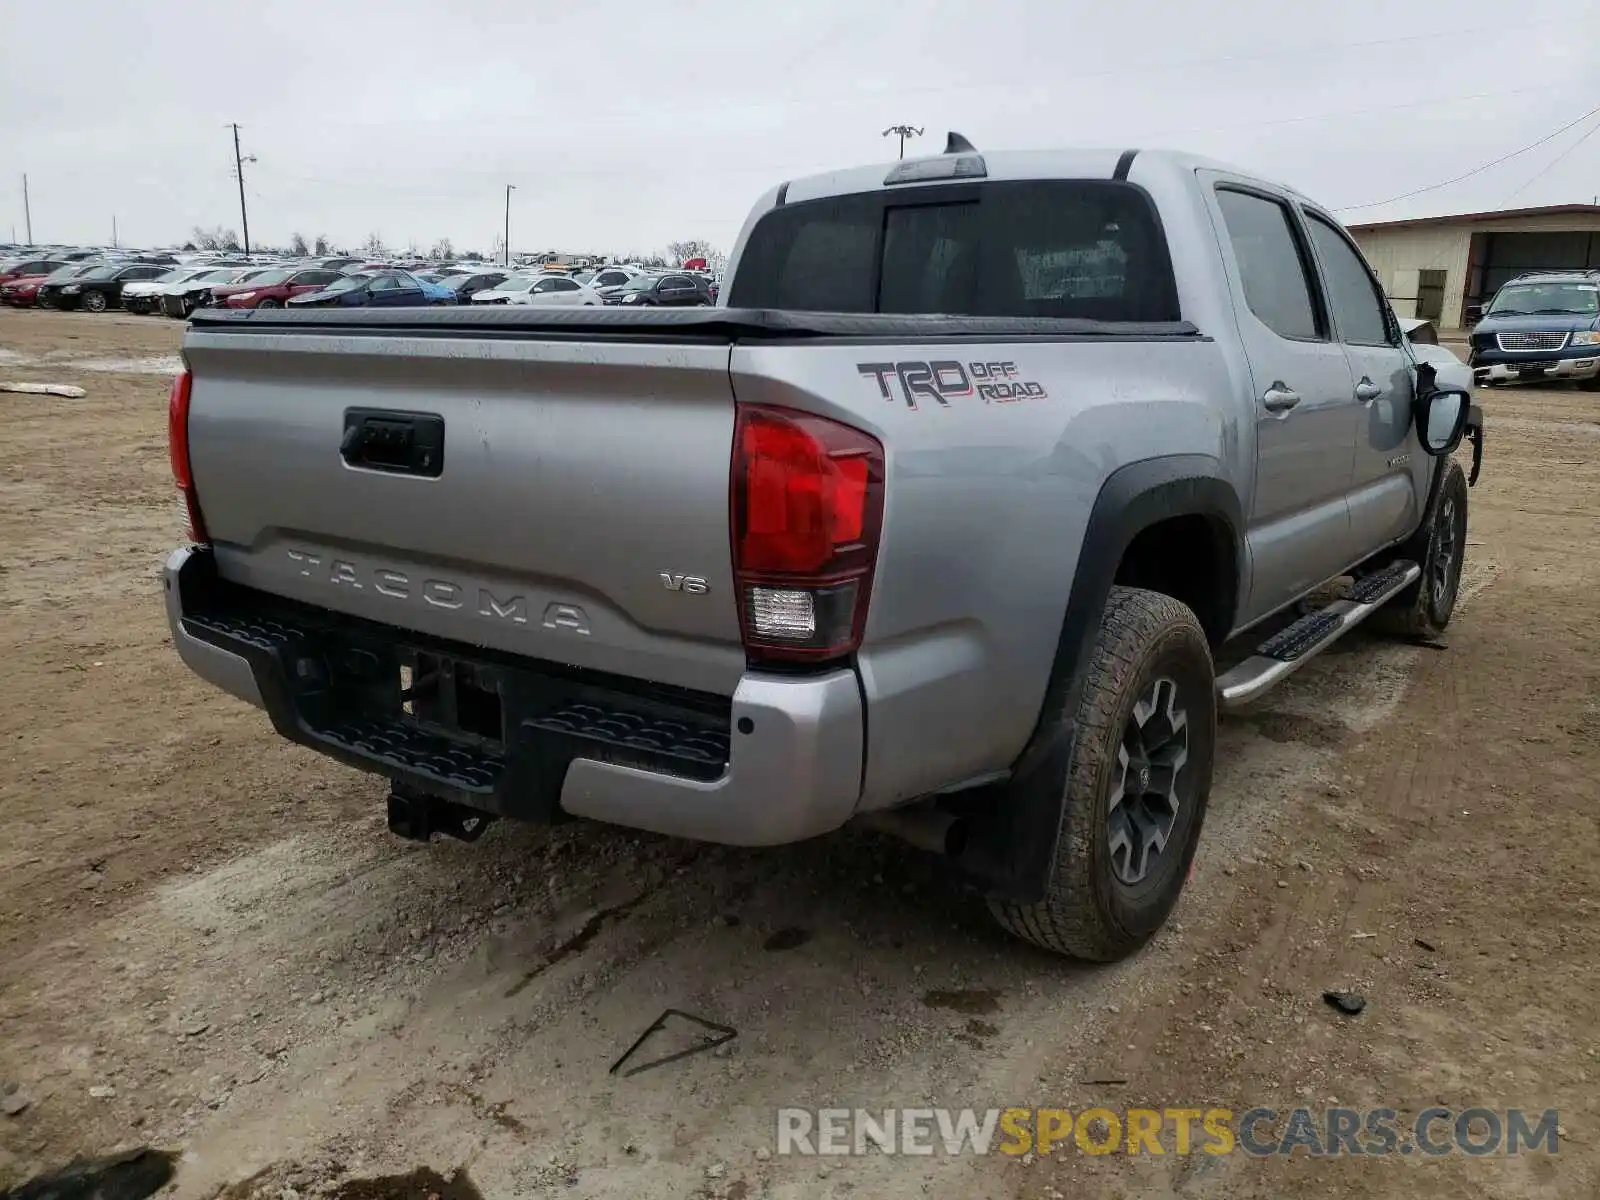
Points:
(1272, 266)
(1357, 307)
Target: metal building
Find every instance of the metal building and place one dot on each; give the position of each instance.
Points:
(1443, 268)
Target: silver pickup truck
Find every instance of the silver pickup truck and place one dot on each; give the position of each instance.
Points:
(941, 523)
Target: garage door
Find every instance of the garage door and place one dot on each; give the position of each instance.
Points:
(1498, 257)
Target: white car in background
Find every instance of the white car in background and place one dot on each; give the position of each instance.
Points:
(606, 277)
(144, 296)
(540, 289)
(181, 299)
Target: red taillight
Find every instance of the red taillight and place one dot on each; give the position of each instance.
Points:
(178, 451)
(807, 507)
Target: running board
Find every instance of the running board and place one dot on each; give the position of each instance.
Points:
(1286, 651)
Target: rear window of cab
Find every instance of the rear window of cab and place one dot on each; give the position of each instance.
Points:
(1086, 249)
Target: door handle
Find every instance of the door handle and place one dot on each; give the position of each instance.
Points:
(1366, 390)
(1279, 398)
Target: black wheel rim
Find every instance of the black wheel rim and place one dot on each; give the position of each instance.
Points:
(1446, 554)
(1146, 784)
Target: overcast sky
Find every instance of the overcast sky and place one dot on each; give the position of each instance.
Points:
(628, 123)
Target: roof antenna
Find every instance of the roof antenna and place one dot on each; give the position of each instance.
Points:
(954, 143)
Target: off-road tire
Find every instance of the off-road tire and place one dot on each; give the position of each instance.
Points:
(1086, 913)
(1424, 609)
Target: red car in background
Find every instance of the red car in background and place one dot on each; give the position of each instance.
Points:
(272, 289)
(22, 291)
(22, 268)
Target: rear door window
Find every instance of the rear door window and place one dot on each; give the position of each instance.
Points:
(1273, 268)
(1086, 249)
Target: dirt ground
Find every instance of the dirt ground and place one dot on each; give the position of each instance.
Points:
(209, 943)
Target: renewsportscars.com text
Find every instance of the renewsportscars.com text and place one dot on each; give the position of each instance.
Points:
(1260, 1132)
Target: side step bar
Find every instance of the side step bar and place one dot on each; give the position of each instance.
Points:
(1286, 651)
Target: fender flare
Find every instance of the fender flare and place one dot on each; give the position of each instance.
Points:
(1013, 843)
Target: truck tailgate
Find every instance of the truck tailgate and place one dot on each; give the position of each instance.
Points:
(579, 512)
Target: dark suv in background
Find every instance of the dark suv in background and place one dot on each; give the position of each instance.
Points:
(1544, 325)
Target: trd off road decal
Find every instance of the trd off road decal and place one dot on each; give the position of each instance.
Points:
(942, 380)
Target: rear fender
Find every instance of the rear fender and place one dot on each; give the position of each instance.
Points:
(1013, 833)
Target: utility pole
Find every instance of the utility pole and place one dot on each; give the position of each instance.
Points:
(27, 213)
(113, 231)
(904, 132)
(238, 169)
(510, 187)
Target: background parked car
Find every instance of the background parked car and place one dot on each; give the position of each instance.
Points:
(540, 289)
(434, 291)
(181, 299)
(144, 296)
(464, 287)
(676, 288)
(18, 268)
(23, 292)
(387, 289)
(96, 290)
(274, 287)
(610, 277)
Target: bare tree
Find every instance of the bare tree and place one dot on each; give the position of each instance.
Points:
(298, 247)
(373, 247)
(319, 247)
(689, 248)
(442, 250)
(215, 238)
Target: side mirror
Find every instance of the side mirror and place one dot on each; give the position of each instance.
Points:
(1441, 418)
(1474, 313)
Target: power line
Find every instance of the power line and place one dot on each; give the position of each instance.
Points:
(1549, 166)
(466, 189)
(1478, 170)
(1140, 67)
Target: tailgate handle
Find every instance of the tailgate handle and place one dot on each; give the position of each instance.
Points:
(404, 443)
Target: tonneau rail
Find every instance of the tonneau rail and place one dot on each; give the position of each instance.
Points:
(681, 324)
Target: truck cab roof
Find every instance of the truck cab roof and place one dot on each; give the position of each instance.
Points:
(1016, 165)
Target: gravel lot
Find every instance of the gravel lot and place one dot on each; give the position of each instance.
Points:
(209, 942)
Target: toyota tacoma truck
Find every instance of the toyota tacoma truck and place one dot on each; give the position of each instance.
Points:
(941, 522)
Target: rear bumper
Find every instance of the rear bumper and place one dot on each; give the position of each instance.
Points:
(779, 762)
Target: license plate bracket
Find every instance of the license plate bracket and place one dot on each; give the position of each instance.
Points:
(452, 697)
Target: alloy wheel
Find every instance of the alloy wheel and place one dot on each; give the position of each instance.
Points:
(1444, 554)
(1144, 802)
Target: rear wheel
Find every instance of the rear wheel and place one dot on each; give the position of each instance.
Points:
(1425, 608)
(1136, 785)
(94, 302)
